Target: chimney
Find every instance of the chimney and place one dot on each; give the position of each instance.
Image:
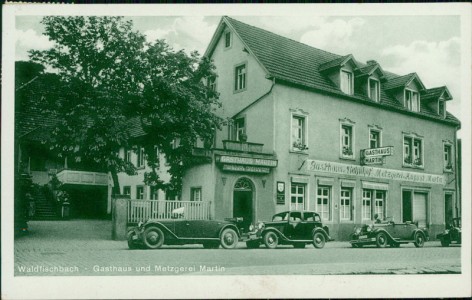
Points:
(372, 62)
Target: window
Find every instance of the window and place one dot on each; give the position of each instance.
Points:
(158, 159)
(441, 109)
(240, 128)
(140, 158)
(374, 89)
(323, 201)
(127, 156)
(227, 39)
(127, 190)
(379, 205)
(139, 192)
(298, 133)
(295, 216)
(240, 78)
(447, 157)
(211, 83)
(366, 205)
(308, 216)
(412, 100)
(374, 139)
(154, 193)
(346, 141)
(347, 83)
(297, 196)
(412, 152)
(346, 202)
(196, 194)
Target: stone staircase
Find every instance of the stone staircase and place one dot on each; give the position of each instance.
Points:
(45, 209)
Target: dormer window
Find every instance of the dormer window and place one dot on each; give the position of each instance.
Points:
(228, 39)
(374, 89)
(347, 82)
(412, 100)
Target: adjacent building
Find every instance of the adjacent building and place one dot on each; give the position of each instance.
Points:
(312, 130)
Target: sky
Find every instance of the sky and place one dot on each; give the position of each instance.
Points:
(427, 45)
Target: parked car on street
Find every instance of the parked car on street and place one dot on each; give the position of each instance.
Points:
(179, 231)
(389, 233)
(452, 234)
(297, 228)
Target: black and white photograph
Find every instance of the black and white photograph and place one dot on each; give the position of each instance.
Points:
(236, 151)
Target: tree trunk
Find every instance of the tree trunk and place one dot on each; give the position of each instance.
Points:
(116, 182)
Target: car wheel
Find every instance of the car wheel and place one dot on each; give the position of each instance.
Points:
(153, 237)
(445, 242)
(319, 240)
(211, 245)
(299, 245)
(131, 243)
(271, 240)
(419, 240)
(229, 238)
(253, 244)
(381, 240)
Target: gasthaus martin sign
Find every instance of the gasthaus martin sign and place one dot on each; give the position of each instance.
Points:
(372, 172)
(246, 164)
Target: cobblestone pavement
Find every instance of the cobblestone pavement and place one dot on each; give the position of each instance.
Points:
(84, 247)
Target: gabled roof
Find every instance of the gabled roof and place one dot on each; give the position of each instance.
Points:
(403, 81)
(370, 69)
(337, 62)
(436, 93)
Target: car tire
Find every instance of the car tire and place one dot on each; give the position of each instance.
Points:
(229, 238)
(132, 245)
(253, 244)
(419, 240)
(381, 240)
(271, 240)
(319, 240)
(153, 237)
(445, 242)
(299, 245)
(211, 245)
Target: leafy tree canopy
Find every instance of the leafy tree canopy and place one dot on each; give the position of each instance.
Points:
(112, 75)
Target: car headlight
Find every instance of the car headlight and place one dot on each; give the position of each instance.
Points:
(140, 224)
(369, 228)
(251, 227)
(357, 230)
(260, 225)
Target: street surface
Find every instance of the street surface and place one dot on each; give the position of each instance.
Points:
(84, 247)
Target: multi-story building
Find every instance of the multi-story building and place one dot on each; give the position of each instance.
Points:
(313, 130)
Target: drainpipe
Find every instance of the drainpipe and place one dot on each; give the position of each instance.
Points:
(456, 175)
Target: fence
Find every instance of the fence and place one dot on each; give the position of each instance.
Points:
(142, 210)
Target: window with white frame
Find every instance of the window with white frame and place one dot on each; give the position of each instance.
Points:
(448, 157)
(140, 157)
(240, 128)
(374, 89)
(323, 202)
(347, 82)
(374, 138)
(126, 190)
(240, 78)
(127, 155)
(154, 193)
(297, 196)
(140, 192)
(298, 133)
(227, 39)
(346, 203)
(412, 151)
(346, 141)
(158, 159)
(412, 100)
(196, 194)
(211, 83)
(366, 204)
(379, 204)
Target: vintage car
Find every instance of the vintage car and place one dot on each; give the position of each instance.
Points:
(296, 228)
(179, 231)
(389, 233)
(452, 234)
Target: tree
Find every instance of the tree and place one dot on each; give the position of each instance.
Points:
(112, 74)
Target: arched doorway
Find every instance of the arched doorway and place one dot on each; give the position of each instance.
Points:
(243, 201)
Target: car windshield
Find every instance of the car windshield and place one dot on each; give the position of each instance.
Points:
(280, 217)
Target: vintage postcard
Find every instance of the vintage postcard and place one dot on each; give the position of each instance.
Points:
(236, 151)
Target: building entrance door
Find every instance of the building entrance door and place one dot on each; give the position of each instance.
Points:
(419, 208)
(243, 201)
(448, 209)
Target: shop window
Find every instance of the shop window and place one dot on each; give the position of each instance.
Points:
(298, 133)
(227, 39)
(297, 196)
(374, 139)
(323, 202)
(379, 204)
(346, 204)
(374, 89)
(367, 204)
(347, 82)
(347, 148)
(196, 194)
(127, 190)
(140, 158)
(412, 151)
(448, 157)
(240, 78)
(154, 193)
(140, 192)
(412, 100)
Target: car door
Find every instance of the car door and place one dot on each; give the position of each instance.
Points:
(296, 226)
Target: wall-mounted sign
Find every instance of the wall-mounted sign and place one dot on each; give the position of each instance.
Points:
(372, 172)
(238, 160)
(280, 192)
(383, 151)
(246, 169)
(374, 160)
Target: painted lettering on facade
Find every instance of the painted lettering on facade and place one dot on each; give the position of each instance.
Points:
(247, 169)
(364, 171)
(247, 161)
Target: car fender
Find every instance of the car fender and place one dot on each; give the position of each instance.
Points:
(280, 234)
(161, 226)
(319, 229)
(425, 233)
(232, 226)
